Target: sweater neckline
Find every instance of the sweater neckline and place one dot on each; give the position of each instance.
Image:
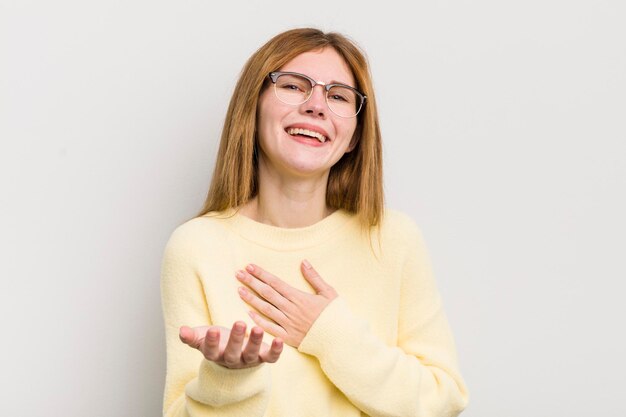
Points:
(281, 238)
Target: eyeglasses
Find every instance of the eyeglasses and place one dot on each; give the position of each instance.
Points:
(294, 88)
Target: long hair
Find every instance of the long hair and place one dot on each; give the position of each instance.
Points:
(355, 182)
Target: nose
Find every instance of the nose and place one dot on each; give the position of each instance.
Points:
(316, 104)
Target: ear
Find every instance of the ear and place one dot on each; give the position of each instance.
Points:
(354, 140)
(351, 146)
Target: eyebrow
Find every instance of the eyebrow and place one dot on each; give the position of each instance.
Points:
(334, 82)
(340, 82)
(330, 82)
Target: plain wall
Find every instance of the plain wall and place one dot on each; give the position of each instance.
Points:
(504, 138)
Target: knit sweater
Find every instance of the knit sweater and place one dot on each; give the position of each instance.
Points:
(383, 347)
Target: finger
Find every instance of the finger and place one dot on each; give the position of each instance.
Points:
(211, 346)
(185, 333)
(232, 352)
(267, 325)
(310, 274)
(262, 306)
(273, 353)
(251, 351)
(192, 337)
(273, 281)
(264, 290)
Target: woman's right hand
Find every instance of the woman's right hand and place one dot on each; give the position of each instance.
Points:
(226, 346)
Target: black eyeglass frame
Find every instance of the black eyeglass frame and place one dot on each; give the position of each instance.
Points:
(275, 74)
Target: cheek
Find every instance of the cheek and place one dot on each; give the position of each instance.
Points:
(269, 114)
(264, 123)
(347, 130)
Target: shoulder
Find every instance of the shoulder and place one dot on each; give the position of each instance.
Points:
(198, 234)
(397, 219)
(398, 225)
(399, 235)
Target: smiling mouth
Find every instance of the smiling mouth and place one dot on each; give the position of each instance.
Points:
(296, 131)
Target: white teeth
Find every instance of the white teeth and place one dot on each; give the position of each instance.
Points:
(298, 131)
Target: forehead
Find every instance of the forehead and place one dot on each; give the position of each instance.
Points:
(324, 65)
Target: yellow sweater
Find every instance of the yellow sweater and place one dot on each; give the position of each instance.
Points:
(382, 348)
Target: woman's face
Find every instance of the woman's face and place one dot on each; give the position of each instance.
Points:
(298, 154)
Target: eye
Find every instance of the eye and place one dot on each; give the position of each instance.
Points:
(292, 87)
(337, 97)
(293, 84)
(341, 95)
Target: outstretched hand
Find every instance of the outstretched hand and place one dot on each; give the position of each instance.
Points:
(286, 312)
(226, 346)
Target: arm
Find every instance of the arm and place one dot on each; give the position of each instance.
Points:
(419, 377)
(194, 386)
(415, 377)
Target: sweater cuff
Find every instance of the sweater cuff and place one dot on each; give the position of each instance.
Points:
(329, 329)
(217, 385)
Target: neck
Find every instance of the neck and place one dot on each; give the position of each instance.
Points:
(287, 201)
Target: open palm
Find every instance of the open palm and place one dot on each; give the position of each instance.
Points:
(232, 348)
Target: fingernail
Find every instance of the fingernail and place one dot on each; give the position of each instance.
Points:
(306, 264)
(242, 290)
(250, 268)
(240, 274)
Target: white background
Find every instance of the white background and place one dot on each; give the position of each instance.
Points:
(504, 137)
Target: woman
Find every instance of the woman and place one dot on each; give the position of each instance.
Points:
(293, 244)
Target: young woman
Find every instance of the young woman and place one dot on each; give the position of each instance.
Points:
(294, 293)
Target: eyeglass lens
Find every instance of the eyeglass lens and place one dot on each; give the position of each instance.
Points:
(295, 89)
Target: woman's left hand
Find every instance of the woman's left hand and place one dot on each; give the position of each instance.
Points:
(291, 312)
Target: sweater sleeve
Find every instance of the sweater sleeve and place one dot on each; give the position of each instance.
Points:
(419, 376)
(195, 387)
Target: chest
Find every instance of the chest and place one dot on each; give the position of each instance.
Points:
(369, 282)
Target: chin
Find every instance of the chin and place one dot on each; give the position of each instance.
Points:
(307, 170)
(306, 167)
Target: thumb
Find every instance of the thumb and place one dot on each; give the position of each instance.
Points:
(310, 274)
(189, 336)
